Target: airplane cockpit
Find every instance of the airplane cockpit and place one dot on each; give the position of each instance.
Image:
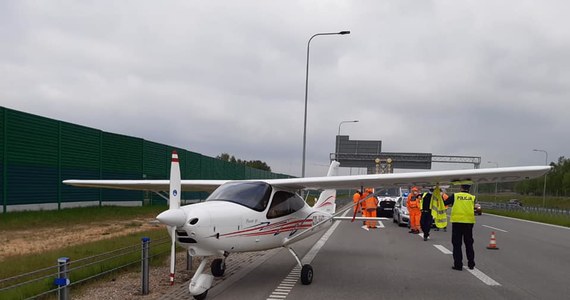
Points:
(254, 195)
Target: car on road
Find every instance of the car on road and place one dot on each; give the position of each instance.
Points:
(515, 202)
(387, 198)
(401, 214)
(478, 210)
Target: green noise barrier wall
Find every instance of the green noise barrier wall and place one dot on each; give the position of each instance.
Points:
(38, 153)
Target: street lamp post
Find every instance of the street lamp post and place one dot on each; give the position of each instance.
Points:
(342, 122)
(306, 92)
(544, 189)
(337, 145)
(496, 183)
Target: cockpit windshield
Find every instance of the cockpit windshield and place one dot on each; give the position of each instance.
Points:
(254, 195)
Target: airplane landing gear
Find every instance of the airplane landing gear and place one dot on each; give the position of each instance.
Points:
(306, 270)
(201, 296)
(200, 283)
(306, 274)
(218, 266)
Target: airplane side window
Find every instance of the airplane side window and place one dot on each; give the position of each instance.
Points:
(254, 195)
(284, 203)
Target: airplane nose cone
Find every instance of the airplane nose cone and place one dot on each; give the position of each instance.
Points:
(172, 217)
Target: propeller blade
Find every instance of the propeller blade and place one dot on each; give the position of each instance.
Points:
(174, 216)
(175, 184)
(173, 256)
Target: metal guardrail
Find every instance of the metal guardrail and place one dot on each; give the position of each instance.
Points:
(60, 274)
(514, 207)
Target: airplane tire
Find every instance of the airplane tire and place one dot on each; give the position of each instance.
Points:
(218, 267)
(307, 274)
(201, 296)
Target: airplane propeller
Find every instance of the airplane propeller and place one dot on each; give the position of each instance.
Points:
(174, 216)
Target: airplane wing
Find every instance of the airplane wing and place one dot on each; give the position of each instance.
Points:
(338, 182)
(148, 185)
(429, 178)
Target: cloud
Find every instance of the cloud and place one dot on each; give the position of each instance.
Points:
(487, 79)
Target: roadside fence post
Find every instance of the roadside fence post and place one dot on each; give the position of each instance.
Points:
(188, 261)
(144, 265)
(62, 281)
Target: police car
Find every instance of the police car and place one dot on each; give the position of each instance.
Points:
(401, 214)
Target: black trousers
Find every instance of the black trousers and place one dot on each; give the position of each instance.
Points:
(425, 222)
(462, 232)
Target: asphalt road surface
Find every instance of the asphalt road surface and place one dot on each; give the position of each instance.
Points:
(533, 262)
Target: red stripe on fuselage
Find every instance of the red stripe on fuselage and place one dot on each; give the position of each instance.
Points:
(271, 228)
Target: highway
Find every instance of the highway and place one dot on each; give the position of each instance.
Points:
(389, 263)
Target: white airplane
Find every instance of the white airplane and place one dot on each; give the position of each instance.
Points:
(253, 215)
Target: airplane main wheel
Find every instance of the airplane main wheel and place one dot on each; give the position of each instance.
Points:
(218, 267)
(306, 274)
(201, 296)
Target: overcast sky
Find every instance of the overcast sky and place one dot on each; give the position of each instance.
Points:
(478, 78)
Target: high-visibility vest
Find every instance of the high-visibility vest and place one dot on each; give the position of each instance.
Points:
(438, 210)
(463, 208)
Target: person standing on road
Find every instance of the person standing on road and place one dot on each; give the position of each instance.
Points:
(426, 218)
(413, 205)
(462, 220)
(371, 205)
(356, 198)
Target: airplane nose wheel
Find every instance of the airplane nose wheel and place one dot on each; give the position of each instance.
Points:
(201, 296)
(306, 274)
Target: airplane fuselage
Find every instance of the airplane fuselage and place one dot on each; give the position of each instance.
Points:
(217, 226)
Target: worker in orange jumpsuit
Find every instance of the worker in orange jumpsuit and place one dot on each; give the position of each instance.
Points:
(363, 206)
(355, 198)
(413, 205)
(371, 205)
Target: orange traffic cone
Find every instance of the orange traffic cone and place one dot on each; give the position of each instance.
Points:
(493, 242)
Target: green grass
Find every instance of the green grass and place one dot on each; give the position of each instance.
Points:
(26, 263)
(561, 220)
(15, 265)
(71, 216)
(533, 201)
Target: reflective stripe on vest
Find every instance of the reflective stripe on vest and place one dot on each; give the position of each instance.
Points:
(463, 208)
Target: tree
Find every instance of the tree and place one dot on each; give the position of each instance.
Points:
(256, 164)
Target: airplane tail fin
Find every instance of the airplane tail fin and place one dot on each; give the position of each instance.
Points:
(327, 198)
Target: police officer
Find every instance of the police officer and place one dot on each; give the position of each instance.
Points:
(462, 221)
(426, 217)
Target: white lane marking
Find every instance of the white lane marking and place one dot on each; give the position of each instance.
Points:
(288, 284)
(381, 225)
(486, 279)
(551, 225)
(494, 228)
(443, 249)
(365, 227)
(476, 272)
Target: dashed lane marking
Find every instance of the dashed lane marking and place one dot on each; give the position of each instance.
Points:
(494, 228)
(486, 279)
(443, 249)
(289, 282)
(476, 272)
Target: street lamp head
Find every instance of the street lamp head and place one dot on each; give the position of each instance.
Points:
(344, 32)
